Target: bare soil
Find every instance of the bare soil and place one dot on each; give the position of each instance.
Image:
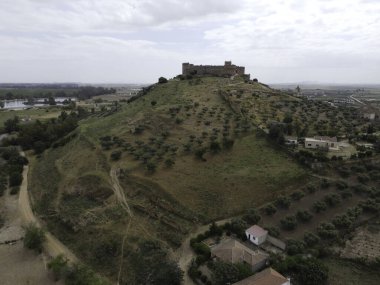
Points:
(17, 264)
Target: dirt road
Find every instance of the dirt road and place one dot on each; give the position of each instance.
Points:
(52, 245)
(17, 264)
(119, 192)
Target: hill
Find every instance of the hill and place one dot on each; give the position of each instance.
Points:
(185, 153)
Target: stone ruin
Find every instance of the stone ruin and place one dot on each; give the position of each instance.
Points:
(226, 70)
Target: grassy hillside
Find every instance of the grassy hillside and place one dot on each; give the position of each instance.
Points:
(187, 152)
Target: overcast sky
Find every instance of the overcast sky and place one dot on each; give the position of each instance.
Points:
(128, 41)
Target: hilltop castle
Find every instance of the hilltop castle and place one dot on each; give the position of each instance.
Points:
(226, 70)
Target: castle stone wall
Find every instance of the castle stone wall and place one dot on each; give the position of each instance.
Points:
(226, 70)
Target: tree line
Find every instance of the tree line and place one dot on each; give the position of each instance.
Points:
(85, 92)
(41, 135)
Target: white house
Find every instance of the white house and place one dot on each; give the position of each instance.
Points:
(329, 143)
(256, 234)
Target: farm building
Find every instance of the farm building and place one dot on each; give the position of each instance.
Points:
(232, 251)
(256, 234)
(329, 143)
(268, 276)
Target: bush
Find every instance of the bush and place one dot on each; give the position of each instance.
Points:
(305, 271)
(289, 222)
(15, 179)
(283, 201)
(59, 266)
(294, 246)
(327, 231)
(34, 237)
(252, 217)
(342, 221)
(15, 190)
(319, 206)
(270, 209)
(116, 155)
(340, 185)
(370, 205)
(298, 195)
(162, 80)
(332, 199)
(311, 239)
(325, 184)
(80, 274)
(311, 189)
(363, 178)
(273, 231)
(304, 216)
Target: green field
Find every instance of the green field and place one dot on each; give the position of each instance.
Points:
(33, 114)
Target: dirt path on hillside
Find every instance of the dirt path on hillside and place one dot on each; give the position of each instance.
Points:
(119, 192)
(120, 196)
(17, 264)
(185, 254)
(52, 245)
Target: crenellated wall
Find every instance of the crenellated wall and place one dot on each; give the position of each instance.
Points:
(225, 70)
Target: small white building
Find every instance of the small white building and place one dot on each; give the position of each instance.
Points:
(291, 141)
(329, 143)
(256, 234)
(369, 116)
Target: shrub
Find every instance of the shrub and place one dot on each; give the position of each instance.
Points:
(298, 195)
(215, 147)
(15, 190)
(169, 162)
(59, 266)
(270, 209)
(238, 227)
(327, 230)
(294, 246)
(332, 199)
(319, 206)
(289, 222)
(340, 185)
(273, 231)
(370, 205)
(304, 216)
(325, 184)
(252, 217)
(80, 274)
(311, 239)
(311, 189)
(151, 167)
(354, 212)
(116, 155)
(15, 179)
(34, 237)
(283, 201)
(342, 221)
(162, 80)
(363, 178)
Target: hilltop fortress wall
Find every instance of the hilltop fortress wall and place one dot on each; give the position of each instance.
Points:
(226, 70)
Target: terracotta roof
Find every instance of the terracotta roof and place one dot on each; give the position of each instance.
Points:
(268, 276)
(256, 231)
(231, 250)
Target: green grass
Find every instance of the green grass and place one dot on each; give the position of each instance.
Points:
(34, 114)
(342, 272)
